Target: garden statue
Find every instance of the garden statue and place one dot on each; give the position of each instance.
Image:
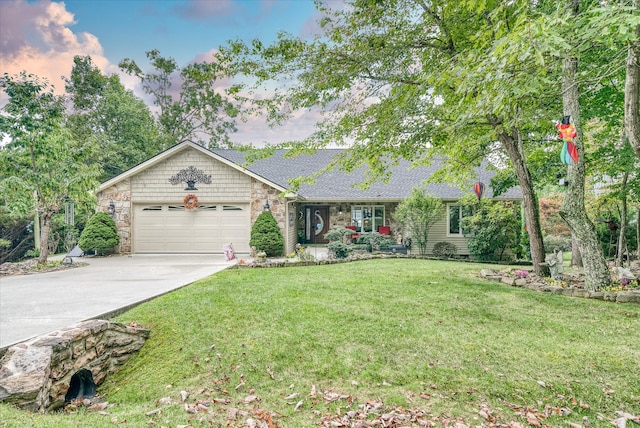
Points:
(555, 262)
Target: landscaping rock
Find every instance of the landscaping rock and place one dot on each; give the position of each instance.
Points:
(520, 282)
(628, 297)
(572, 285)
(508, 280)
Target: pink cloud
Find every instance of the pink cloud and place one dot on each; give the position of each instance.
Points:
(37, 38)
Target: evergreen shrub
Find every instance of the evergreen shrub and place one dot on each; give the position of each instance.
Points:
(100, 234)
(266, 235)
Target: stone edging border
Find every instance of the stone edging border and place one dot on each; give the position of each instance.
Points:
(609, 296)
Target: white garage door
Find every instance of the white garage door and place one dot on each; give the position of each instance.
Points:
(205, 229)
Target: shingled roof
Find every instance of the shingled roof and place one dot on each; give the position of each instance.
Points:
(342, 186)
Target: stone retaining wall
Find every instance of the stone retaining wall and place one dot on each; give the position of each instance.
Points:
(36, 375)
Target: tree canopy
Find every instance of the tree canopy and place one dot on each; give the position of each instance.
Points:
(198, 111)
(42, 165)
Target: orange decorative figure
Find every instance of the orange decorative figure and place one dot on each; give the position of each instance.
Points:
(569, 153)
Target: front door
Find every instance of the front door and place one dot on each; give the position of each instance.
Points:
(316, 224)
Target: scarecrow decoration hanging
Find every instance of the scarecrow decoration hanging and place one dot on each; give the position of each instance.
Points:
(478, 189)
(569, 153)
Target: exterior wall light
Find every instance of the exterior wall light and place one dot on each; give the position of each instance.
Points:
(112, 208)
(267, 207)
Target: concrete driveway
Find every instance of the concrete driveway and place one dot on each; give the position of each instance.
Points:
(32, 305)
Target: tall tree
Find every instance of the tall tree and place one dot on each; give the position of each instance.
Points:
(573, 209)
(632, 86)
(42, 164)
(198, 111)
(111, 116)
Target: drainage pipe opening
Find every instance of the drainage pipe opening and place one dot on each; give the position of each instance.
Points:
(81, 386)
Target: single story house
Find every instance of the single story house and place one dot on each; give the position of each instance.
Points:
(189, 199)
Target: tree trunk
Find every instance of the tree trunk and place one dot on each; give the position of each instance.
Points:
(632, 91)
(515, 150)
(621, 247)
(573, 205)
(638, 230)
(45, 219)
(576, 257)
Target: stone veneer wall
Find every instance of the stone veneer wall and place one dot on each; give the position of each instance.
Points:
(259, 194)
(120, 194)
(35, 375)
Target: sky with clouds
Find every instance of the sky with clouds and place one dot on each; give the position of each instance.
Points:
(42, 37)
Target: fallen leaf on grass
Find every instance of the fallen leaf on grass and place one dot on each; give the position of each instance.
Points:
(486, 413)
(330, 397)
(164, 400)
(265, 419)
(620, 422)
(300, 403)
(184, 395)
(98, 406)
(157, 411)
(251, 399)
(629, 416)
(291, 396)
(196, 408)
(232, 414)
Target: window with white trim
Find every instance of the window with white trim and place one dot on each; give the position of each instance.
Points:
(455, 215)
(367, 218)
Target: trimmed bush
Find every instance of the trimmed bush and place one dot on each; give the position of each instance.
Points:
(375, 240)
(339, 249)
(266, 235)
(445, 249)
(100, 234)
(340, 234)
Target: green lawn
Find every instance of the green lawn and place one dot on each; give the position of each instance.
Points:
(423, 339)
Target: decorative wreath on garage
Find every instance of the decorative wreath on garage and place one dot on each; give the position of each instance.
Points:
(190, 201)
